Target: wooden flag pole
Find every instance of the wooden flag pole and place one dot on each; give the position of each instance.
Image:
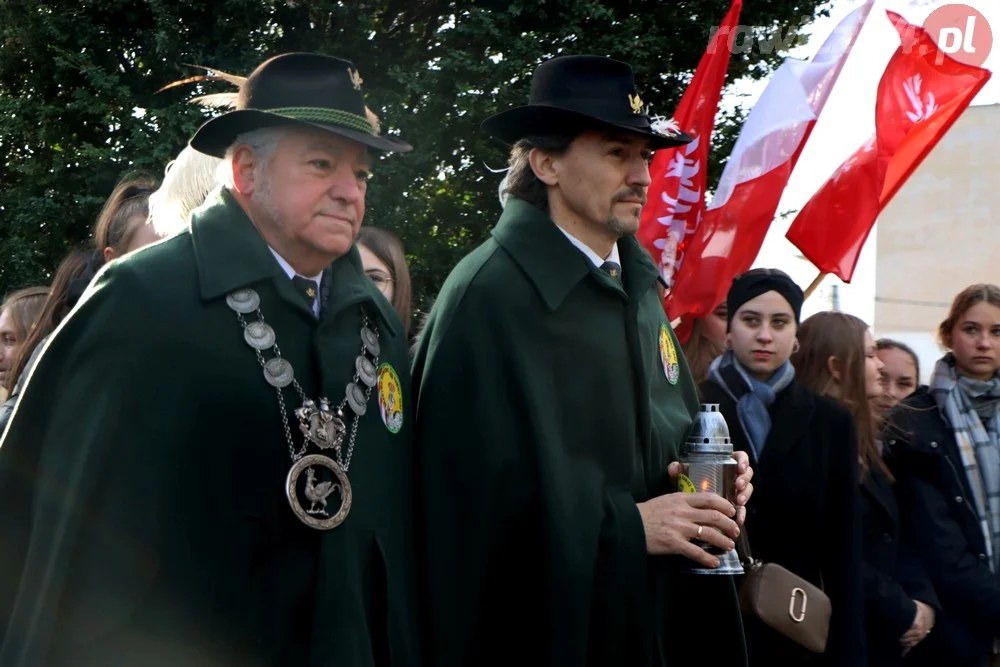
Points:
(814, 284)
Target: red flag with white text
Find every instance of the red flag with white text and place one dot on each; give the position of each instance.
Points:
(733, 228)
(676, 196)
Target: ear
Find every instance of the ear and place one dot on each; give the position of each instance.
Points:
(833, 365)
(109, 254)
(545, 167)
(243, 164)
(946, 339)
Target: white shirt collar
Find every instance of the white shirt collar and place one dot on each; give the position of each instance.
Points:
(290, 272)
(591, 255)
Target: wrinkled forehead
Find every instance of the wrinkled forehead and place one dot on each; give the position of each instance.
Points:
(303, 140)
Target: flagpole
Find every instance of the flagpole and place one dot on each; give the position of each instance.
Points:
(814, 284)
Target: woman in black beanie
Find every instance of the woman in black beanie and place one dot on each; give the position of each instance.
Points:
(803, 448)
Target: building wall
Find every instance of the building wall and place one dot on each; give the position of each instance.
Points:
(940, 233)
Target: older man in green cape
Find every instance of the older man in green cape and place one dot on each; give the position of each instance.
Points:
(211, 462)
(552, 403)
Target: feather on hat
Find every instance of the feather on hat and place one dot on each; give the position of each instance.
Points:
(228, 100)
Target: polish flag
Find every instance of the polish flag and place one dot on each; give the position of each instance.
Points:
(921, 95)
(730, 234)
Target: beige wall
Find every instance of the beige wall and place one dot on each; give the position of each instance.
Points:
(942, 230)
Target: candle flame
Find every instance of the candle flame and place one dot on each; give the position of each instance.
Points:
(705, 486)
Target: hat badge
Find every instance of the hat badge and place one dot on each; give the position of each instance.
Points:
(636, 103)
(356, 79)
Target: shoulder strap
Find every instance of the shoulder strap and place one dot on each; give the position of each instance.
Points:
(743, 548)
(747, 559)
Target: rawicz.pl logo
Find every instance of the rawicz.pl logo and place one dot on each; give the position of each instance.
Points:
(742, 39)
(962, 32)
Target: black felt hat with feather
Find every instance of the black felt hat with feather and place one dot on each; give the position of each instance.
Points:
(291, 89)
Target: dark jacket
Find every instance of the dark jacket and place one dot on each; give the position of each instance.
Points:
(142, 476)
(546, 412)
(804, 515)
(939, 515)
(893, 576)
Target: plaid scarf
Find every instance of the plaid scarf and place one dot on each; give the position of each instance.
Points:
(978, 445)
(753, 397)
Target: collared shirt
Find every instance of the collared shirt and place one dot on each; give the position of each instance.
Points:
(291, 274)
(591, 255)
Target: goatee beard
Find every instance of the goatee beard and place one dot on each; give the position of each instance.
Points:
(622, 227)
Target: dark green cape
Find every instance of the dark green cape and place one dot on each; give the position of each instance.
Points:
(545, 413)
(142, 476)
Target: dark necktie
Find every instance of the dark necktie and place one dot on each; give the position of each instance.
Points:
(613, 269)
(307, 288)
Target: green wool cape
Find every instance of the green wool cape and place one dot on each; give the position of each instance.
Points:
(142, 476)
(551, 399)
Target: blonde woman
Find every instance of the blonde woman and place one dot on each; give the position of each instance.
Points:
(945, 442)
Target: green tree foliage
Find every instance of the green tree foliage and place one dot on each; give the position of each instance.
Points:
(79, 107)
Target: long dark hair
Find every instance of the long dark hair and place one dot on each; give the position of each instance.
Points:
(387, 247)
(842, 336)
(73, 274)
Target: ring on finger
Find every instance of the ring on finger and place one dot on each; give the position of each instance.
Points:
(700, 528)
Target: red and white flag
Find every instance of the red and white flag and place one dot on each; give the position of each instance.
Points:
(921, 94)
(676, 196)
(733, 228)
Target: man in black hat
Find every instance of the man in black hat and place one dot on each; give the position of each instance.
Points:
(211, 463)
(552, 400)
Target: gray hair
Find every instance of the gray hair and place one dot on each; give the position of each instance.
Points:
(186, 182)
(263, 142)
(520, 180)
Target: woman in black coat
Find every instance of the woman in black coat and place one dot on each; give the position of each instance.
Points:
(804, 512)
(837, 358)
(945, 441)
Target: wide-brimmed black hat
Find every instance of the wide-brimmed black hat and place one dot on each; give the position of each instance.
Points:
(571, 94)
(297, 89)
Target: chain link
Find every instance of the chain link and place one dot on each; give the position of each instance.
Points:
(344, 462)
(368, 394)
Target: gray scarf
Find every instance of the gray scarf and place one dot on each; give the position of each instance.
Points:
(753, 397)
(972, 408)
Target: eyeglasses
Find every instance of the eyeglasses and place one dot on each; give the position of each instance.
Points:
(380, 279)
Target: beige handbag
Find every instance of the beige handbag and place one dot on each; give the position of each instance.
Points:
(784, 601)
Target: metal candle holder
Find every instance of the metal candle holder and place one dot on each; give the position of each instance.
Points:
(708, 462)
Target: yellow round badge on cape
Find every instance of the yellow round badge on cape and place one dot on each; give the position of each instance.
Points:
(668, 355)
(390, 398)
